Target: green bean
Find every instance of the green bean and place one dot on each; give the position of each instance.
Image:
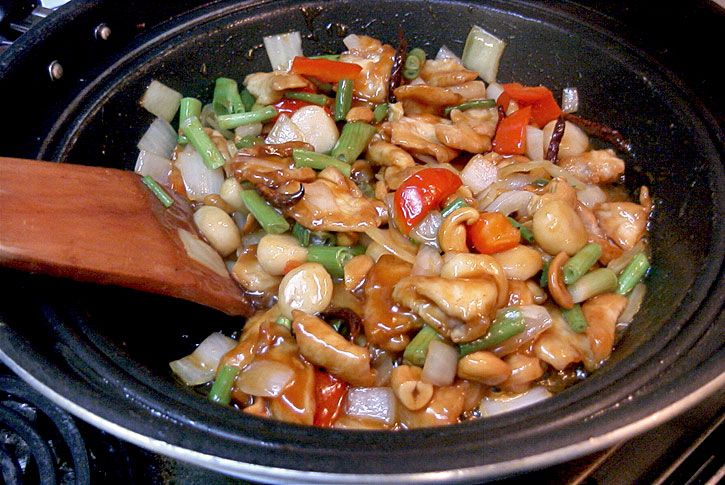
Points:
(318, 161)
(192, 129)
(343, 99)
(188, 107)
(575, 318)
(417, 349)
(333, 258)
(632, 274)
(353, 141)
(594, 283)
(509, 322)
(581, 262)
(314, 98)
(233, 120)
(380, 112)
(271, 221)
(221, 390)
(226, 97)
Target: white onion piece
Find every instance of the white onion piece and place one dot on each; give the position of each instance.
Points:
(479, 173)
(510, 202)
(352, 42)
(265, 378)
(553, 170)
(492, 406)
(426, 232)
(156, 167)
(317, 127)
(516, 181)
(482, 53)
(200, 366)
(445, 53)
(591, 195)
(199, 180)
(634, 302)
(202, 253)
(383, 365)
(283, 131)
(570, 100)
(494, 90)
(534, 143)
(159, 139)
(441, 364)
(383, 237)
(253, 238)
(252, 129)
(376, 403)
(428, 262)
(536, 319)
(161, 100)
(282, 49)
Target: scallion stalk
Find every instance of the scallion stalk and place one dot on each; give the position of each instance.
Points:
(271, 221)
(231, 121)
(353, 141)
(526, 233)
(380, 112)
(333, 258)
(318, 161)
(248, 99)
(417, 349)
(313, 98)
(509, 322)
(575, 318)
(226, 97)
(192, 129)
(544, 280)
(412, 67)
(594, 283)
(329, 57)
(453, 206)
(188, 107)
(323, 238)
(302, 234)
(248, 141)
(221, 390)
(581, 262)
(285, 322)
(343, 99)
(158, 191)
(632, 274)
(472, 104)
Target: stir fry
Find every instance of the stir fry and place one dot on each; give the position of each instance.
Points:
(422, 244)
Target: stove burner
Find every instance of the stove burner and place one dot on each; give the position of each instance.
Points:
(39, 443)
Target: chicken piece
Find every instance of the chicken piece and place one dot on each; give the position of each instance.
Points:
(376, 60)
(445, 72)
(268, 87)
(601, 313)
(417, 134)
(623, 222)
(386, 324)
(320, 344)
(271, 172)
(388, 155)
(445, 407)
(594, 167)
(422, 99)
(519, 293)
(469, 91)
(334, 203)
(559, 346)
(482, 121)
(462, 136)
(394, 176)
(597, 235)
(525, 369)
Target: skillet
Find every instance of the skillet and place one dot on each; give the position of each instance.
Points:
(102, 352)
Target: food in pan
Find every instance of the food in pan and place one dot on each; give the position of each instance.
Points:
(423, 244)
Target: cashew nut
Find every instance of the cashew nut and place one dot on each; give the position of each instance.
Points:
(452, 233)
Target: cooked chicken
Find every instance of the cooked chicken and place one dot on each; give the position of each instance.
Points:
(418, 135)
(446, 72)
(268, 87)
(595, 166)
(624, 222)
(376, 59)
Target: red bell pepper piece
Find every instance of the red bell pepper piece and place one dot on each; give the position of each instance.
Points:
(330, 395)
(510, 138)
(325, 69)
(493, 233)
(420, 193)
(544, 107)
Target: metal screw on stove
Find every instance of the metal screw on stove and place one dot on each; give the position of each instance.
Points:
(102, 31)
(55, 70)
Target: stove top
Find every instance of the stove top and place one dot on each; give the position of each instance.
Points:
(41, 443)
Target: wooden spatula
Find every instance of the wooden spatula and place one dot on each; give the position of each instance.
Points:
(103, 225)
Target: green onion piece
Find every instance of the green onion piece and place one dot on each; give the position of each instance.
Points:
(285, 322)
(248, 99)
(353, 141)
(191, 127)
(329, 57)
(226, 97)
(412, 67)
(343, 99)
(321, 85)
(333, 258)
(540, 182)
(188, 107)
(302, 234)
(318, 161)
(322, 238)
(319, 99)
(221, 390)
(419, 53)
(380, 112)
(509, 322)
(632, 274)
(158, 191)
(231, 121)
(544, 280)
(472, 104)
(271, 221)
(417, 349)
(526, 233)
(453, 206)
(594, 283)
(580, 263)
(248, 141)
(575, 318)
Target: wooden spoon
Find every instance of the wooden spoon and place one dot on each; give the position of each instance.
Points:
(104, 226)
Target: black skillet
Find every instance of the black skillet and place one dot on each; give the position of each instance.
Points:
(102, 352)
